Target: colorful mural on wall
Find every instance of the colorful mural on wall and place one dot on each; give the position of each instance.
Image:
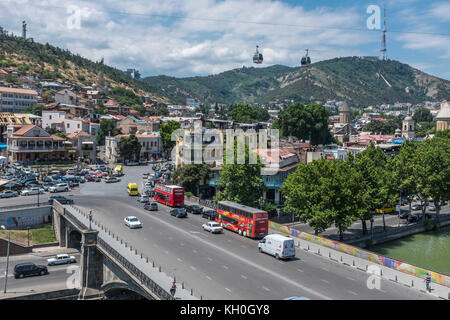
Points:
(438, 278)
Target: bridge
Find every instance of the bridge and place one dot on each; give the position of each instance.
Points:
(110, 266)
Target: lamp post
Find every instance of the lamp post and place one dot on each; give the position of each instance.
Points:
(28, 235)
(7, 257)
(90, 219)
(371, 227)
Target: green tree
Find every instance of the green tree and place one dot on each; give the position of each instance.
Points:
(300, 121)
(190, 176)
(243, 113)
(162, 111)
(166, 131)
(100, 109)
(35, 109)
(140, 108)
(422, 115)
(241, 183)
(443, 134)
(107, 127)
(129, 147)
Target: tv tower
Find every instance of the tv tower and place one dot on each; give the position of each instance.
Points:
(24, 30)
(383, 41)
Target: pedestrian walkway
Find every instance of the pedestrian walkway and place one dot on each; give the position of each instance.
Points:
(52, 251)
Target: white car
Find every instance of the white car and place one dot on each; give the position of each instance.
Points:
(32, 191)
(212, 227)
(9, 194)
(432, 207)
(132, 222)
(61, 259)
(59, 187)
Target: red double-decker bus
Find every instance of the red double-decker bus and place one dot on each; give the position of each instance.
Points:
(169, 195)
(247, 221)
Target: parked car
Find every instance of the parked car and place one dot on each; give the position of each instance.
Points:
(416, 207)
(212, 227)
(195, 209)
(29, 269)
(93, 178)
(178, 212)
(61, 259)
(59, 187)
(142, 198)
(46, 179)
(413, 218)
(210, 214)
(71, 171)
(277, 245)
(32, 191)
(112, 180)
(132, 222)
(427, 216)
(9, 194)
(432, 207)
(404, 214)
(47, 185)
(60, 199)
(78, 180)
(151, 206)
(145, 175)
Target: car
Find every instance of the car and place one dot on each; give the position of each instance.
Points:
(78, 180)
(47, 185)
(32, 191)
(432, 207)
(212, 227)
(145, 175)
(112, 180)
(46, 179)
(178, 212)
(413, 218)
(210, 214)
(403, 214)
(9, 194)
(142, 198)
(131, 163)
(151, 206)
(60, 199)
(427, 216)
(59, 187)
(132, 222)
(61, 259)
(92, 178)
(195, 209)
(71, 171)
(416, 207)
(29, 269)
(277, 245)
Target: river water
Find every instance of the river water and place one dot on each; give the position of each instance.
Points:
(430, 250)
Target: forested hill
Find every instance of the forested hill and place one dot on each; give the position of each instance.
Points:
(50, 62)
(359, 80)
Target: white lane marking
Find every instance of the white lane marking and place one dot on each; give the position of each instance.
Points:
(193, 268)
(194, 232)
(265, 288)
(350, 279)
(382, 290)
(243, 260)
(354, 293)
(299, 270)
(325, 281)
(243, 277)
(325, 269)
(179, 259)
(210, 259)
(228, 289)
(225, 267)
(208, 277)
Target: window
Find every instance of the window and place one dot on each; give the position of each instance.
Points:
(68, 125)
(50, 117)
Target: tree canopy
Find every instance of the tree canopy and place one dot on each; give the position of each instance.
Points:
(190, 176)
(107, 127)
(244, 113)
(166, 131)
(129, 147)
(422, 115)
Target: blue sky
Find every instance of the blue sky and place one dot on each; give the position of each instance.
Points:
(201, 37)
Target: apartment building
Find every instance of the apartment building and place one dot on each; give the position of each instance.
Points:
(17, 99)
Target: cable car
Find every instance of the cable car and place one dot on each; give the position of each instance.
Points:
(257, 57)
(306, 60)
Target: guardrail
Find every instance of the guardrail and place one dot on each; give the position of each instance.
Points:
(21, 206)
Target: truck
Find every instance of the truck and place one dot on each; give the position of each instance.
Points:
(118, 171)
(277, 245)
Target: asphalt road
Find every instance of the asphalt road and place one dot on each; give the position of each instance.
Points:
(224, 266)
(59, 277)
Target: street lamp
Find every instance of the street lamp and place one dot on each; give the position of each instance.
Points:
(371, 227)
(90, 219)
(7, 256)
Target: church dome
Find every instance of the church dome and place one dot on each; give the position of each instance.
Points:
(445, 111)
(344, 107)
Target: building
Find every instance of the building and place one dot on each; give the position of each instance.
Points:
(131, 124)
(151, 146)
(30, 143)
(133, 74)
(344, 113)
(66, 96)
(64, 122)
(443, 117)
(16, 99)
(83, 146)
(14, 119)
(408, 127)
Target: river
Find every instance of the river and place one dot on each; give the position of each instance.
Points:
(430, 250)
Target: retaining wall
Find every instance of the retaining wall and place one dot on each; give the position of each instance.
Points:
(19, 219)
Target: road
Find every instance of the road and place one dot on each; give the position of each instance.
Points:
(225, 266)
(57, 278)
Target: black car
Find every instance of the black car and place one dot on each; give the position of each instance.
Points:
(413, 218)
(178, 212)
(194, 209)
(404, 214)
(210, 214)
(60, 199)
(29, 269)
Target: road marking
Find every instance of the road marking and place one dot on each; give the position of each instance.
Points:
(208, 277)
(182, 244)
(243, 277)
(229, 240)
(325, 269)
(299, 270)
(265, 288)
(193, 268)
(228, 289)
(179, 259)
(166, 252)
(194, 232)
(354, 293)
(281, 262)
(210, 259)
(350, 279)
(325, 281)
(225, 267)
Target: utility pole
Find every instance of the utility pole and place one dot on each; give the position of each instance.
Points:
(383, 41)
(7, 257)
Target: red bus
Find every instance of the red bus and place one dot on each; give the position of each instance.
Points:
(172, 196)
(247, 221)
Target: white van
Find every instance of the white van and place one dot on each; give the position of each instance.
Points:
(277, 245)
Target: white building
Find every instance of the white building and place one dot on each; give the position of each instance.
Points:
(151, 143)
(64, 122)
(16, 99)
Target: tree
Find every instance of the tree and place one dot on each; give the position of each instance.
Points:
(162, 111)
(241, 183)
(243, 113)
(443, 134)
(166, 131)
(191, 175)
(422, 115)
(129, 147)
(140, 108)
(388, 127)
(35, 109)
(100, 108)
(107, 127)
(302, 121)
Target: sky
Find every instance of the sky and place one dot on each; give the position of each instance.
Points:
(201, 37)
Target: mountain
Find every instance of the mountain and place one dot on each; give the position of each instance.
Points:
(361, 81)
(49, 62)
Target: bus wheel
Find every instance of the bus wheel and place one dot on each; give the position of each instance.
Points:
(240, 232)
(244, 233)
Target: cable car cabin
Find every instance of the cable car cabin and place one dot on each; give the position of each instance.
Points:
(306, 60)
(257, 57)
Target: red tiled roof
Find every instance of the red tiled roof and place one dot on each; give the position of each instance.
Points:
(78, 134)
(24, 129)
